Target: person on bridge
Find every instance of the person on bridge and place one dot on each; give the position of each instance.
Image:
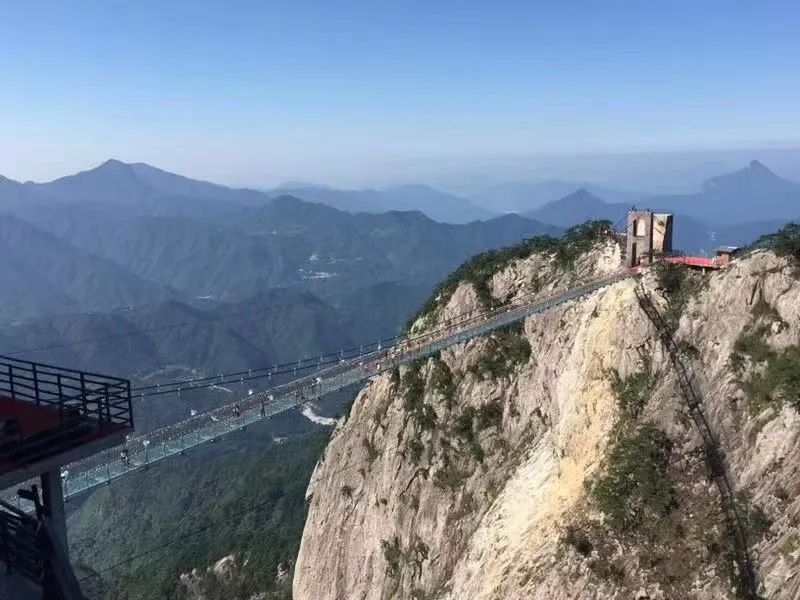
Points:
(126, 459)
(236, 411)
(263, 411)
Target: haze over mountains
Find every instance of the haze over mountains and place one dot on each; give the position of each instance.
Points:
(123, 235)
(132, 270)
(522, 197)
(438, 205)
(731, 209)
(131, 250)
(748, 194)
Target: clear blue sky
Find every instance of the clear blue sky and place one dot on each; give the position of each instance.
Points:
(256, 92)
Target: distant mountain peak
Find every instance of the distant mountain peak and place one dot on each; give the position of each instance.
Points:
(756, 178)
(581, 195)
(756, 165)
(112, 165)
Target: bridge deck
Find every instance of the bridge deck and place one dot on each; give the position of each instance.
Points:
(176, 439)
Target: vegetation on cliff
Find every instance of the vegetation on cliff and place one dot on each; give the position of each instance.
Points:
(633, 487)
(506, 350)
(679, 285)
(784, 242)
(768, 376)
(248, 504)
(479, 269)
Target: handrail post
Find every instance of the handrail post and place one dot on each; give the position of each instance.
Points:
(60, 389)
(83, 395)
(11, 380)
(108, 407)
(36, 384)
(127, 390)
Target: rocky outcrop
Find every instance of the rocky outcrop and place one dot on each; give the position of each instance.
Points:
(559, 460)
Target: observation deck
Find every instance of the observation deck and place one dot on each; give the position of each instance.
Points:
(52, 416)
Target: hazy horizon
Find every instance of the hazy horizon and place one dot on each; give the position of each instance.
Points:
(653, 172)
(361, 94)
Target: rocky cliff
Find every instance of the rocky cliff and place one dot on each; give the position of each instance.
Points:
(563, 459)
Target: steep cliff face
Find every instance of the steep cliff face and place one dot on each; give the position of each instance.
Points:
(559, 459)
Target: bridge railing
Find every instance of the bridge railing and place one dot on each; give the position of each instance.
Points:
(143, 450)
(101, 398)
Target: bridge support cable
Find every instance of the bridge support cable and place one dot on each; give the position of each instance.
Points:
(714, 454)
(142, 451)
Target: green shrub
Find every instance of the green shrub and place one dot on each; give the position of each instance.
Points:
(415, 449)
(462, 426)
(464, 430)
(506, 349)
(414, 397)
(784, 242)
(442, 382)
(578, 540)
(779, 379)
(751, 342)
(393, 555)
(450, 477)
(779, 382)
(632, 392)
(607, 569)
(680, 284)
(756, 521)
(372, 452)
(418, 553)
(394, 378)
(783, 375)
(688, 350)
(490, 415)
(633, 486)
(671, 277)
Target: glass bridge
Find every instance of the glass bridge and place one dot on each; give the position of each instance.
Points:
(145, 450)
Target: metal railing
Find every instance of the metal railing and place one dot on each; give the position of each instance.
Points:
(101, 398)
(142, 451)
(28, 547)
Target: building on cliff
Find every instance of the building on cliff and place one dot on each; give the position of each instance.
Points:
(648, 235)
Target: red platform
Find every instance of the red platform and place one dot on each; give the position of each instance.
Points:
(39, 433)
(692, 261)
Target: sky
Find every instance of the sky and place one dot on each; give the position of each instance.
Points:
(360, 93)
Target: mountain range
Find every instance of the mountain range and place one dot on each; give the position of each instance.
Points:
(753, 193)
(732, 209)
(436, 204)
(131, 235)
(522, 197)
(132, 270)
(98, 268)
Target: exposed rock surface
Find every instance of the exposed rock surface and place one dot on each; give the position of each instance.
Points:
(478, 485)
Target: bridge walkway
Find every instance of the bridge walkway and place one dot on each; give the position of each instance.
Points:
(143, 451)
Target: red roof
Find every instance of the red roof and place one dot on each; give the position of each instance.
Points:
(692, 261)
